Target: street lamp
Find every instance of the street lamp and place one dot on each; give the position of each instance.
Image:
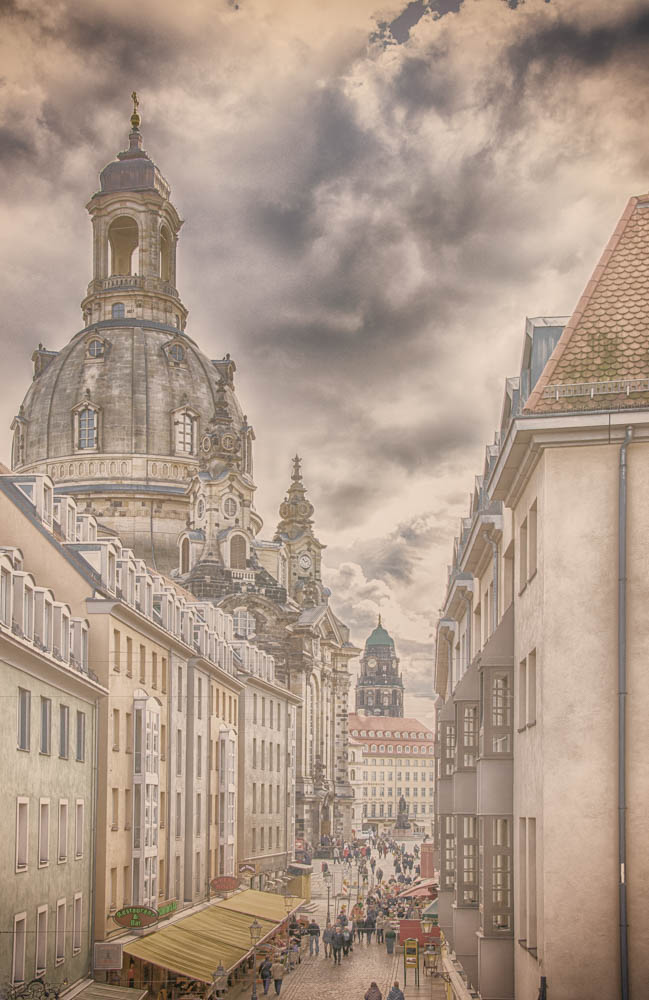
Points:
(255, 934)
(426, 924)
(219, 979)
(328, 878)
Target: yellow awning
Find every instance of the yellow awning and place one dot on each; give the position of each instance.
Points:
(263, 905)
(195, 945)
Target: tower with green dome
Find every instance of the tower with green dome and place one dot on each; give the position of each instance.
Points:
(379, 688)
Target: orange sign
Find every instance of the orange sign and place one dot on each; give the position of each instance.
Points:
(224, 883)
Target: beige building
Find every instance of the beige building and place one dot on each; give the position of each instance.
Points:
(570, 468)
(394, 761)
(49, 699)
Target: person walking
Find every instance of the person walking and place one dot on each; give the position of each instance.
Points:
(395, 993)
(360, 928)
(327, 935)
(374, 992)
(347, 940)
(277, 973)
(337, 943)
(265, 973)
(314, 937)
(380, 926)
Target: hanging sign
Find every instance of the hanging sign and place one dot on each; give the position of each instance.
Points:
(247, 869)
(224, 883)
(136, 916)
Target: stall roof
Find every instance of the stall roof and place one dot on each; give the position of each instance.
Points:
(106, 991)
(266, 905)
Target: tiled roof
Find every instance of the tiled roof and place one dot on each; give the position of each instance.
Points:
(386, 723)
(607, 337)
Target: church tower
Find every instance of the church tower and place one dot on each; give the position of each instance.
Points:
(379, 688)
(295, 531)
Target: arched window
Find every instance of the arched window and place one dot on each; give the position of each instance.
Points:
(96, 346)
(87, 428)
(352, 775)
(165, 254)
(185, 433)
(238, 552)
(184, 557)
(244, 623)
(177, 353)
(123, 240)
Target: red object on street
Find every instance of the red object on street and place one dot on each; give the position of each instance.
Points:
(426, 861)
(412, 929)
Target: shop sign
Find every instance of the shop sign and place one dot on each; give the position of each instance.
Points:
(246, 869)
(107, 956)
(224, 883)
(136, 916)
(166, 909)
(411, 952)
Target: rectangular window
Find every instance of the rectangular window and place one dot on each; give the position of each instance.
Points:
(24, 718)
(5, 596)
(199, 699)
(199, 757)
(129, 732)
(22, 834)
(179, 751)
(41, 940)
(64, 731)
(77, 914)
(63, 830)
(114, 814)
(126, 885)
(522, 694)
(522, 551)
(163, 672)
(61, 909)
(163, 742)
(531, 883)
(20, 940)
(115, 729)
(117, 650)
(163, 810)
(531, 688)
(532, 541)
(81, 736)
(44, 832)
(254, 796)
(46, 725)
(522, 876)
(129, 656)
(154, 670)
(179, 813)
(113, 889)
(254, 751)
(78, 829)
(180, 689)
(198, 814)
(142, 665)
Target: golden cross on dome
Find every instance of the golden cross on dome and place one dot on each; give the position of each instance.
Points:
(135, 117)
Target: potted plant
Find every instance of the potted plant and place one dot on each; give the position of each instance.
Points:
(390, 936)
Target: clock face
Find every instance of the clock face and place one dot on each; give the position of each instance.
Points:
(228, 442)
(371, 663)
(305, 561)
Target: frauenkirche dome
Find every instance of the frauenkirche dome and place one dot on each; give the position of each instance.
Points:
(122, 414)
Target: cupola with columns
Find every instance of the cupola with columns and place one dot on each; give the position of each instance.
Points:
(295, 531)
(379, 688)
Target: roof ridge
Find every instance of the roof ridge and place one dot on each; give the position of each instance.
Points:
(544, 379)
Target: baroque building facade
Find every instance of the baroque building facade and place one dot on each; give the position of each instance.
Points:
(142, 431)
(379, 687)
(540, 660)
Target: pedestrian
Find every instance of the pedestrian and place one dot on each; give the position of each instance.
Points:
(265, 973)
(314, 937)
(360, 928)
(380, 925)
(336, 855)
(327, 935)
(277, 972)
(347, 940)
(379, 875)
(337, 943)
(395, 993)
(370, 924)
(374, 992)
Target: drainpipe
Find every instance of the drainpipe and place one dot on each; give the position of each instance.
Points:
(621, 664)
(468, 599)
(494, 607)
(95, 805)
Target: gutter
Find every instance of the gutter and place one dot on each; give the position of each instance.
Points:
(93, 875)
(622, 683)
(494, 604)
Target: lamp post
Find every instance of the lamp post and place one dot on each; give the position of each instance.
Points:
(328, 878)
(219, 980)
(255, 934)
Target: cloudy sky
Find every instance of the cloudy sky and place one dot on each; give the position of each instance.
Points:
(376, 194)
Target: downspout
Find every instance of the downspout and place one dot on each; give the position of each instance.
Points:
(95, 803)
(621, 665)
(494, 603)
(468, 599)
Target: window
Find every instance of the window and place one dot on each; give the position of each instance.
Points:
(244, 623)
(115, 729)
(117, 312)
(20, 938)
(44, 832)
(177, 353)
(64, 731)
(179, 751)
(22, 834)
(179, 815)
(142, 665)
(24, 714)
(81, 736)
(87, 428)
(532, 541)
(117, 650)
(531, 688)
(46, 725)
(41, 940)
(129, 656)
(522, 550)
(154, 670)
(60, 931)
(186, 430)
(180, 689)
(199, 757)
(63, 831)
(96, 347)
(76, 924)
(78, 829)
(238, 552)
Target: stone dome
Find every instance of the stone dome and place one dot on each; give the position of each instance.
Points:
(136, 386)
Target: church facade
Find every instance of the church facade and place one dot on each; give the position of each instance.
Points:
(145, 432)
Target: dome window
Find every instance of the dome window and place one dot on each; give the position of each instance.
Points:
(185, 423)
(86, 425)
(177, 353)
(118, 310)
(238, 552)
(123, 241)
(96, 347)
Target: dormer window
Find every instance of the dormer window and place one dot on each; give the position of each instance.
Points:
(96, 348)
(86, 425)
(185, 432)
(177, 353)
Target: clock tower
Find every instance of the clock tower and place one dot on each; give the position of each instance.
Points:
(295, 531)
(379, 688)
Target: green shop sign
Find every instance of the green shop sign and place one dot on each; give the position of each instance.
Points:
(136, 916)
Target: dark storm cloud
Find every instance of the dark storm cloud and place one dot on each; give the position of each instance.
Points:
(15, 147)
(397, 556)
